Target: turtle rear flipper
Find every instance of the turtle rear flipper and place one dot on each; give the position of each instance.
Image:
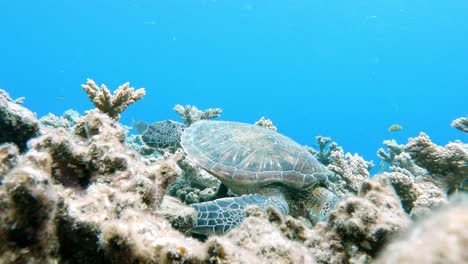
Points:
(221, 215)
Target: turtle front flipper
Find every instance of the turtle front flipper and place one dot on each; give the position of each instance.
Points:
(221, 215)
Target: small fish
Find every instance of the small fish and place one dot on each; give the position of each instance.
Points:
(60, 98)
(395, 128)
(383, 168)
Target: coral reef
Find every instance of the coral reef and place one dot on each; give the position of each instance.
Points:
(266, 123)
(116, 103)
(77, 191)
(96, 152)
(461, 124)
(95, 190)
(191, 114)
(17, 123)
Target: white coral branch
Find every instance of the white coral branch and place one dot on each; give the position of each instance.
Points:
(461, 124)
(265, 122)
(112, 105)
(191, 114)
(352, 168)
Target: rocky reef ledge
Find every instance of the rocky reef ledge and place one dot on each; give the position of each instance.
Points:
(76, 192)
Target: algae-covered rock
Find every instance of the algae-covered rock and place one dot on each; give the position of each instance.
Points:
(360, 225)
(441, 238)
(8, 158)
(17, 123)
(257, 240)
(28, 203)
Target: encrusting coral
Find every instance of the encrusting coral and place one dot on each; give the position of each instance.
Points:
(116, 103)
(191, 114)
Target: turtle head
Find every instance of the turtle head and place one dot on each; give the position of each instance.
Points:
(319, 203)
(160, 135)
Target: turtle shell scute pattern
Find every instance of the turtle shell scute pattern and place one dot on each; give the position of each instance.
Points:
(250, 155)
(162, 134)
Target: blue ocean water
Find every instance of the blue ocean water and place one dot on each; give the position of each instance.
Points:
(338, 68)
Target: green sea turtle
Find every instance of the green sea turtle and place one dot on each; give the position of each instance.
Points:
(263, 166)
(160, 135)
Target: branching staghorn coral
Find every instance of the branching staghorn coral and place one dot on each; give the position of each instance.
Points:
(353, 169)
(418, 195)
(326, 146)
(191, 114)
(116, 103)
(447, 164)
(399, 159)
(461, 124)
(350, 169)
(424, 174)
(264, 122)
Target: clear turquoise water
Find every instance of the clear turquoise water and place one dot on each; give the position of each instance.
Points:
(340, 68)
